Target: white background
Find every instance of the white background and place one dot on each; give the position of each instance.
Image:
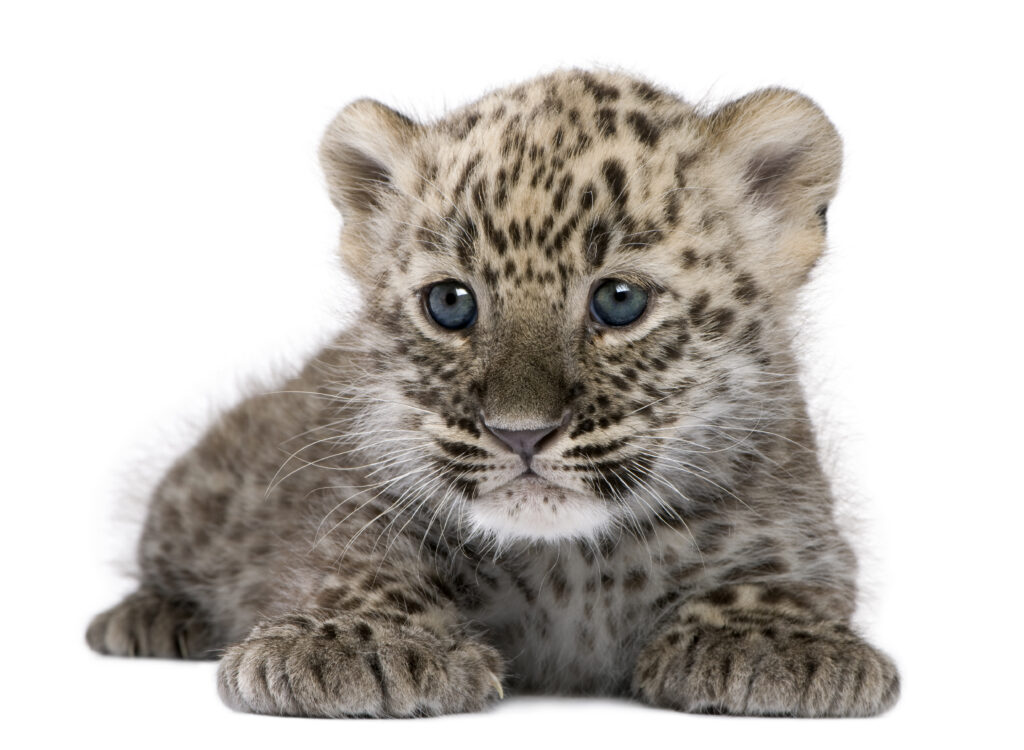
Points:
(166, 235)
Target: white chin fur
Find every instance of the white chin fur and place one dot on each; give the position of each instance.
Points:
(524, 516)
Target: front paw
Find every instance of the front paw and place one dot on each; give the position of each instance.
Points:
(301, 665)
(824, 670)
(148, 624)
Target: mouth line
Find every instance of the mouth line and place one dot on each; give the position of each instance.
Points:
(529, 476)
(530, 479)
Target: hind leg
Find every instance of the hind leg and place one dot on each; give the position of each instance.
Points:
(149, 624)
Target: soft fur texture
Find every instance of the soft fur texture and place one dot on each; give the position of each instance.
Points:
(359, 542)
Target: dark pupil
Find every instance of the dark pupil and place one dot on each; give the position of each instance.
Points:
(449, 299)
(621, 294)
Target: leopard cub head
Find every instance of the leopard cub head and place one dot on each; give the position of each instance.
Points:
(575, 295)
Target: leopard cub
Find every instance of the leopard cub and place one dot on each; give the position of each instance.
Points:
(563, 449)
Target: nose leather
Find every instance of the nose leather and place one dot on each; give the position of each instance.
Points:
(523, 442)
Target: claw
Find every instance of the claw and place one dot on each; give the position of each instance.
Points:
(182, 644)
(497, 685)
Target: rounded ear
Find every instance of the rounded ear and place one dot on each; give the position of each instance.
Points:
(786, 156)
(362, 153)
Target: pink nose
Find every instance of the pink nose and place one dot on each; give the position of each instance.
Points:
(523, 442)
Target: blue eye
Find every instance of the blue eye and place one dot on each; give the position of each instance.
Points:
(617, 303)
(451, 305)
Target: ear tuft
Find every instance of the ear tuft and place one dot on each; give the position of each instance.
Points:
(362, 153)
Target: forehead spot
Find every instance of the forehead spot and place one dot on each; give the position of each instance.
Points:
(605, 121)
(615, 178)
(643, 128)
(602, 92)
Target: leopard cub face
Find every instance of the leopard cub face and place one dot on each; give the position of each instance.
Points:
(575, 295)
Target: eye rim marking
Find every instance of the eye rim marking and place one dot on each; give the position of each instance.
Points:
(425, 294)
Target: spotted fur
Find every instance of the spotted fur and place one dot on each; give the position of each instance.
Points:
(362, 541)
